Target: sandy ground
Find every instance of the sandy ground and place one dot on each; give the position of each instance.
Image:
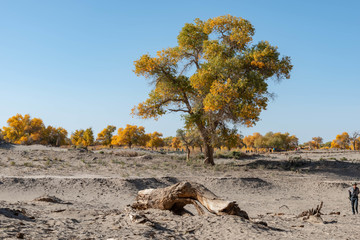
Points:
(91, 192)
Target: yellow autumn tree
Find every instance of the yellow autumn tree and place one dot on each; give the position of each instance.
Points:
(249, 141)
(354, 139)
(23, 129)
(82, 138)
(279, 141)
(54, 136)
(175, 143)
(228, 83)
(341, 141)
(316, 142)
(105, 136)
(154, 140)
(129, 136)
(355, 145)
(228, 138)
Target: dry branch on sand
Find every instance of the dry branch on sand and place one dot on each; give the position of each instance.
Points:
(175, 197)
(312, 215)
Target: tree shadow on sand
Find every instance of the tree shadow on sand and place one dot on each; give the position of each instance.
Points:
(17, 214)
(341, 168)
(5, 145)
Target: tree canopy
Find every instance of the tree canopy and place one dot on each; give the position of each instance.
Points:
(82, 138)
(26, 130)
(130, 135)
(215, 76)
(104, 137)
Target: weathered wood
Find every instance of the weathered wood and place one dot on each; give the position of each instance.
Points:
(312, 215)
(312, 211)
(175, 197)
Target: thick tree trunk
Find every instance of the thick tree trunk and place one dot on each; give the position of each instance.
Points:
(209, 154)
(209, 149)
(175, 197)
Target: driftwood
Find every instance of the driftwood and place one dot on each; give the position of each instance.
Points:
(175, 197)
(312, 215)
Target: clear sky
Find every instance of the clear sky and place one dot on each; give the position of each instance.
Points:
(70, 62)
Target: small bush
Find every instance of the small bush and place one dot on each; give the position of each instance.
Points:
(230, 154)
(127, 154)
(294, 163)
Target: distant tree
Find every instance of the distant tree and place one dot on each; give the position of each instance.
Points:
(316, 142)
(327, 145)
(281, 141)
(249, 141)
(186, 141)
(341, 141)
(354, 139)
(82, 138)
(77, 138)
(105, 136)
(176, 143)
(229, 81)
(1, 136)
(228, 138)
(168, 141)
(129, 136)
(23, 129)
(54, 136)
(88, 137)
(155, 140)
(195, 136)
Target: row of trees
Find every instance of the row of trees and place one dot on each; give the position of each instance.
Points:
(347, 141)
(25, 130)
(279, 141)
(342, 141)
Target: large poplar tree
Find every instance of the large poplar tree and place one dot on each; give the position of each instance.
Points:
(215, 76)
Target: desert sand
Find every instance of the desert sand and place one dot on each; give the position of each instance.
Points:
(88, 194)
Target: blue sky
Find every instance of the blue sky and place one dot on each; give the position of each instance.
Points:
(71, 62)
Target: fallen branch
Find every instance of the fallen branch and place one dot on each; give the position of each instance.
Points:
(312, 212)
(312, 215)
(175, 197)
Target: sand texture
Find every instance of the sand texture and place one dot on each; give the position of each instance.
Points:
(55, 193)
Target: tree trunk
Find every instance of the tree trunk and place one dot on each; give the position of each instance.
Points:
(187, 153)
(209, 149)
(201, 148)
(175, 197)
(209, 154)
(129, 145)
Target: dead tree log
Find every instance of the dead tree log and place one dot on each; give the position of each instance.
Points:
(312, 215)
(175, 197)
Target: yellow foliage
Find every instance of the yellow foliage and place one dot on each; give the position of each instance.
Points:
(131, 135)
(82, 138)
(23, 129)
(105, 136)
(229, 84)
(154, 140)
(176, 143)
(54, 136)
(341, 141)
